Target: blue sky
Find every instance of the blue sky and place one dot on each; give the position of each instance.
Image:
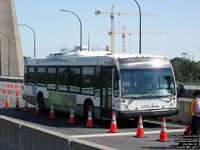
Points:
(54, 29)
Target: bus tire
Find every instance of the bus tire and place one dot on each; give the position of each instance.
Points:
(88, 105)
(136, 119)
(41, 102)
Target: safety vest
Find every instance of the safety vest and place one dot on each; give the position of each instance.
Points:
(192, 106)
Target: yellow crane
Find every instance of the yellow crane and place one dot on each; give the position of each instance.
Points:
(112, 13)
(130, 33)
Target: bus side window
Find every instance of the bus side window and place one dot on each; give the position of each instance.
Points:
(87, 80)
(116, 84)
(31, 76)
(51, 78)
(63, 79)
(41, 76)
(74, 79)
(98, 81)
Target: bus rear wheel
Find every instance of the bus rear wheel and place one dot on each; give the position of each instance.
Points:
(87, 106)
(41, 102)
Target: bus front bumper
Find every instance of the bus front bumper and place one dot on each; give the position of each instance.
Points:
(146, 113)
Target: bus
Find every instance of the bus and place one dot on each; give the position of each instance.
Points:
(129, 84)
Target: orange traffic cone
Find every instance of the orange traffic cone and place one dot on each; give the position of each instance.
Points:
(163, 133)
(17, 93)
(140, 129)
(7, 102)
(17, 104)
(22, 87)
(8, 85)
(89, 120)
(52, 114)
(16, 86)
(37, 111)
(113, 127)
(4, 90)
(11, 85)
(25, 107)
(72, 118)
(9, 92)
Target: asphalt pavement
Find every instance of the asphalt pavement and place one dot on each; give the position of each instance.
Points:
(123, 140)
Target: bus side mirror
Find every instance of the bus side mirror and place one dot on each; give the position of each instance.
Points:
(180, 90)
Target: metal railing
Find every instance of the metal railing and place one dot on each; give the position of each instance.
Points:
(12, 79)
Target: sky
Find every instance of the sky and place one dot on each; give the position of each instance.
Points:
(54, 29)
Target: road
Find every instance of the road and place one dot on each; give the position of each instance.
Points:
(124, 140)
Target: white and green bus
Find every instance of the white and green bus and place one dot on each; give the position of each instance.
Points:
(131, 85)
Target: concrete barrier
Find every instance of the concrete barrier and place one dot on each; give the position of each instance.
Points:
(5, 145)
(29, 137)
(183, 115)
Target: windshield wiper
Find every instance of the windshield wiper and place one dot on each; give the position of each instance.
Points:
(162, 95)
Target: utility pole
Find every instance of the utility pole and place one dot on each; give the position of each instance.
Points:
(81, 31)
(9, 52)
(140, 27)
(112, 30)
(34, 37)
(89, 41)
(112, 13)
(123, 39)
(131, 33)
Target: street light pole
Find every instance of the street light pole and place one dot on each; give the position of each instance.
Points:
(8, 51)
(139, 27)
(34, 38)
(80, 25)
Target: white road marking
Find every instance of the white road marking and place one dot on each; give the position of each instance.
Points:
(123, 134)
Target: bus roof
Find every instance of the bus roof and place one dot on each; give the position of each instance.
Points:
(79, 53)
(87, 57)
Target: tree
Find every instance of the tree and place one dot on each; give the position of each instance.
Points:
(25, 57)
(185, 70)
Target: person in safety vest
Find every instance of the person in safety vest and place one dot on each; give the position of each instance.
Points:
(195, 113)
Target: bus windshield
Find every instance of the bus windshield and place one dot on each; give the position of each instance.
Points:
(149, 82)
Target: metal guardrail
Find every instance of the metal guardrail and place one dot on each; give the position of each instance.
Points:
(187, 89)
(12, 79)
(190, 86)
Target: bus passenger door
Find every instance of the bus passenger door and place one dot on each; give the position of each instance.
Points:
(106, 92)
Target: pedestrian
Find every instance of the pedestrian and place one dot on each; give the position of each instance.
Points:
(195, 113)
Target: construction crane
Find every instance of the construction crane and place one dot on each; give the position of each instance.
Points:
(130, 33)
(112, 13)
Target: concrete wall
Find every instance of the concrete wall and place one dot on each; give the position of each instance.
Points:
(29, 137)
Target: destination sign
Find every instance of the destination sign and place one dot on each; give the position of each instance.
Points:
(144, 63)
